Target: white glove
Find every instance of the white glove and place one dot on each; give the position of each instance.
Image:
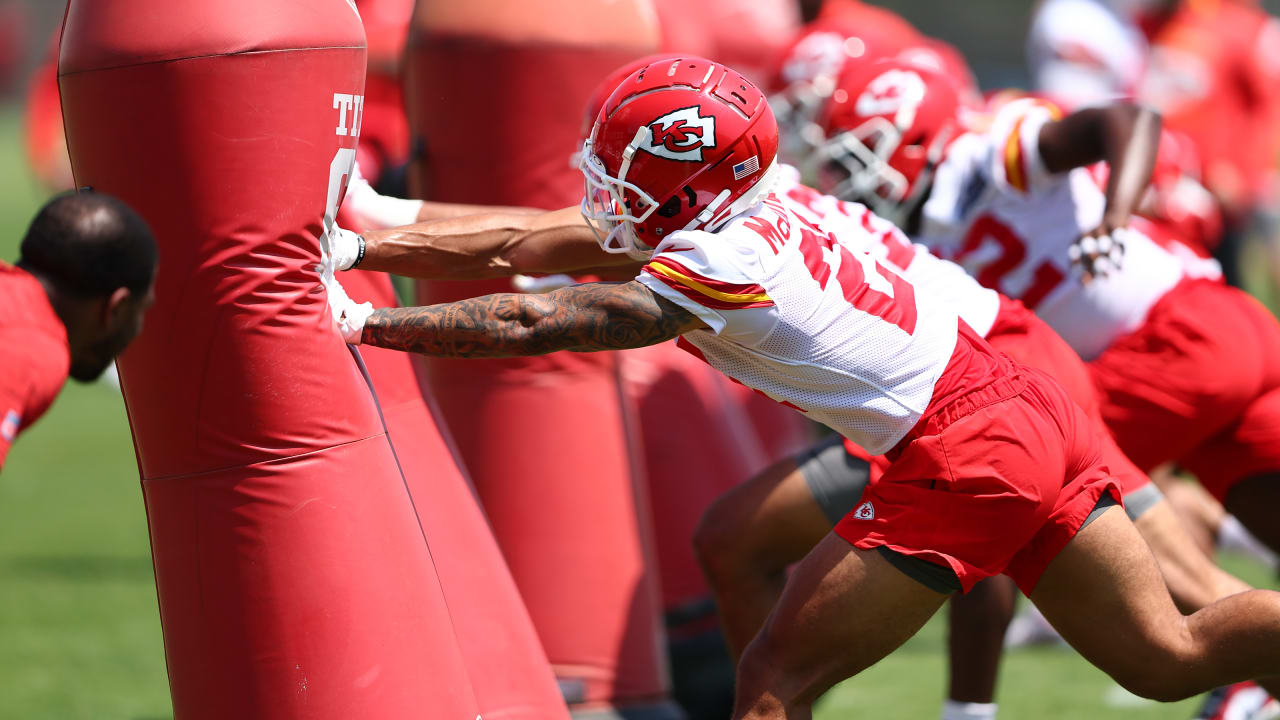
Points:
(346, 249)
(348, 314)
(1099, 256)
(372, 211)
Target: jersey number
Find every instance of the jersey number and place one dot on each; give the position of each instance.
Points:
(898, 306)
(1012, 253)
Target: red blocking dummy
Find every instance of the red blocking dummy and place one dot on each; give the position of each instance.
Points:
(697, 445)
(509, 670)
(494, 92)
(293, 575)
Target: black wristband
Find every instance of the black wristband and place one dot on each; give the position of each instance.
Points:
(359, 252)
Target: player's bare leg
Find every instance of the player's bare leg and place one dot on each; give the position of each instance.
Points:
(1200, 513)
(1105, 595)
(1193, 579)
(746, 540)
(975, 640)
(843, 610)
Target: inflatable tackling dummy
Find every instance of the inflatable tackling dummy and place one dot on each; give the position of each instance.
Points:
(295, 575)
(494, 92)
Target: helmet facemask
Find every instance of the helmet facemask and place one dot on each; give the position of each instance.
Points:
(611, 216)
(797, 109)
(855, 165)
(679, 146)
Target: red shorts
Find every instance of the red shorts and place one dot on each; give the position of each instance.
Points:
(1020, 334)
(996, 481)
(1198, 383)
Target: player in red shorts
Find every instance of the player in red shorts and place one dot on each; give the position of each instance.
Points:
(753, 533)
(994, 469)
(759, 529)
(1188, 369)
(74, 300)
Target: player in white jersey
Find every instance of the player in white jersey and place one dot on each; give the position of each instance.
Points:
(994, 469)
(1188, 369)
(987, 201)
(753, 533)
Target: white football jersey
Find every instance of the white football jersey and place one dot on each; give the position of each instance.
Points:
(809, 319)
(995, 210)
(858, 227)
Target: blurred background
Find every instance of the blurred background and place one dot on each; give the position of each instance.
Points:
(79, 629)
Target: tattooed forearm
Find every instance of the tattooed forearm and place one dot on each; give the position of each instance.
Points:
(595, 316)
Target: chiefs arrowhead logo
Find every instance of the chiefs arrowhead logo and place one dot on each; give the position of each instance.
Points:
(681, 135)
(865, 511)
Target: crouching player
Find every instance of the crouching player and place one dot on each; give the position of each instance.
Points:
(751, 535)
(75, 299)
(993, 468)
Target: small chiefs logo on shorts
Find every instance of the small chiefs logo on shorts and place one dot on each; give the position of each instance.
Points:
(865, 511)
(681, 135)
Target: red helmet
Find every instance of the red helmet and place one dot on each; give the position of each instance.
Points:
(942, 57)
(611, 82)
(805, 80)
(887, 126)
(681, 144)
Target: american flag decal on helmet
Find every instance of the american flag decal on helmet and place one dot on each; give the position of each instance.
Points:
(746, 167)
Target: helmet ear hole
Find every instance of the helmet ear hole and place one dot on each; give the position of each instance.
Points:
(670, 208)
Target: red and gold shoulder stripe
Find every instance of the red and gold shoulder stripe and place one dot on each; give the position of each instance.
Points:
(1015, 157)
(706, 291)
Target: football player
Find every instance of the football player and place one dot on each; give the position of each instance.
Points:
(1189, 369)
(993, 468)
(757, 530)
(845, 32)
(74, 300)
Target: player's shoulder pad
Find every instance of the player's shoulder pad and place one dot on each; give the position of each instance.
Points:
(1014, 137)
(720, 270)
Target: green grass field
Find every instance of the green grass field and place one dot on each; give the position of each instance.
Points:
(79, 630)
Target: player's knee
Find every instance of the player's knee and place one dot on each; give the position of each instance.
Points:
(1172, 651)
(713, 541)
(721, 544)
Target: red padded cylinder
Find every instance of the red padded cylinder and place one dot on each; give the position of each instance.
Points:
(294, 576)
(697, 445)
(509, 670)
(494, 92)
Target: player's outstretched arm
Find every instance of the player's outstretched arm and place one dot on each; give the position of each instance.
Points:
(1125, 135)
(431, 210)
(584, 318)
(493, 244)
